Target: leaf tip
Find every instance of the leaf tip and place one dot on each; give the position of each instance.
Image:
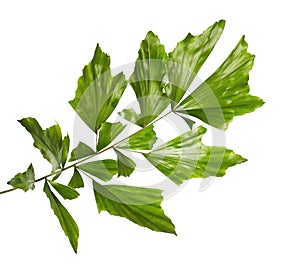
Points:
(261, 102)
(242, 160)
(173, 230)
(238, 159)
(201, 130)
(99, 56)
(243, 42)
(98, 48)
(22, 120)
(150, 34)
(75, 248)
(221, 23)
(72, 104)
(257, 102)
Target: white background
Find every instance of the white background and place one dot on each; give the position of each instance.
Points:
(249, 216)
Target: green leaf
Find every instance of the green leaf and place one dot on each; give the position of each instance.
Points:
(185, 157)
(98, 92)
(217, 160)
(147, 79)
(76, 180)
(66, 221)
(132, 116)
(65, 191)
(108, 132)
(48, 141)
(65, 150)
(81, 151)
(25, 180)
(135, 118)
(188, 57)
(125, 165)
(57, 175)
(188, 121)
(225, 94)
(144, 139)
(102, 169)
(139, 205)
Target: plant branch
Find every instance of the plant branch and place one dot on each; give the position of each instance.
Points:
(8, 190)
(91, 156)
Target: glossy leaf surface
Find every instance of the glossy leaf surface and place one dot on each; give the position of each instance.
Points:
(225, 94)
(139, 205)
(65, 191)
(25, 180)
(108, 132)
(125, 165)
(76, 180)
(147, 79)
(81, 151)
(98, 92)
(185, 157)
(187, 58)
(66, 221)
(144, 139)
(102, 169)
(48, 141)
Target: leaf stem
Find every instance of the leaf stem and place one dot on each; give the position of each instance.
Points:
(93, 155)
(8, 190)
